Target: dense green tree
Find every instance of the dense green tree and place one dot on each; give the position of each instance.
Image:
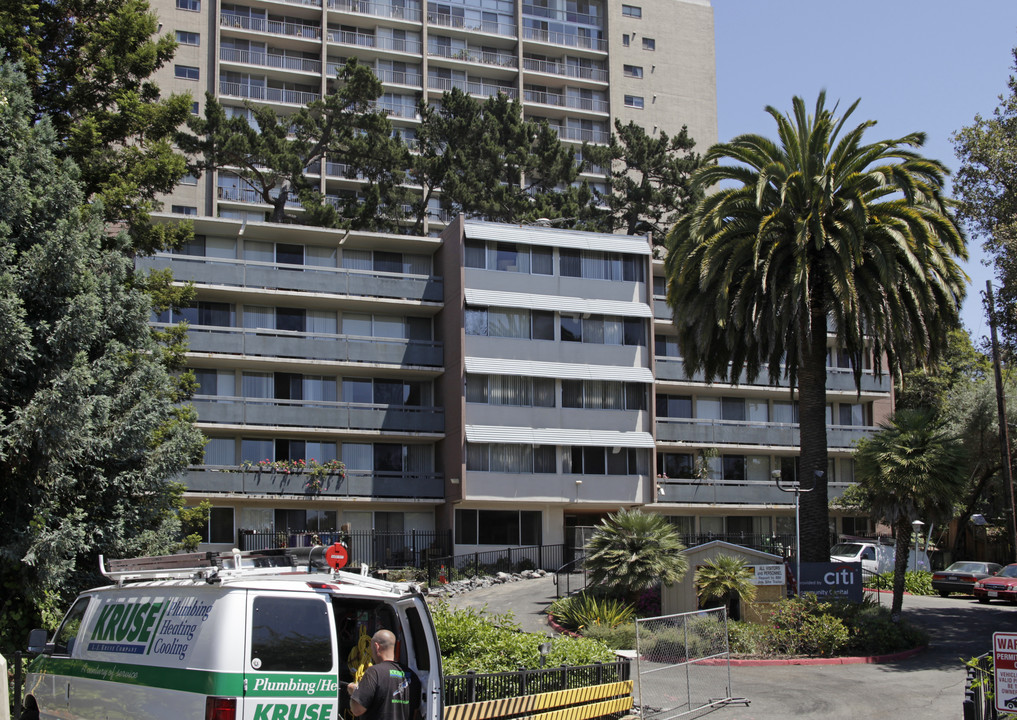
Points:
(816, 234)
(484, 160)
(632, 550)
(89, 431)
(724, 579)
(650, 179)
(911, 469)
(89, 66)
(273, 154)
(986, 186)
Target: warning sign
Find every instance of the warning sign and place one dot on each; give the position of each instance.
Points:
(336, 556)
(1004, 656)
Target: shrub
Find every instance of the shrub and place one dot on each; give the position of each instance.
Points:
(586, 609)
(476, 640)
(872, 632)
(804, 626)
(747, 638)
(619, 637)
(916, 583)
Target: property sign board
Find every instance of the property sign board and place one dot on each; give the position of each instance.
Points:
(767, 574)
(1004, 656)
(832, 581)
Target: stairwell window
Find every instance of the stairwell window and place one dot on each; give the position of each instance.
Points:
(634, 101)
(633, 11)
(186, 72)
(192, 5)
(633, 71)
(649, 44)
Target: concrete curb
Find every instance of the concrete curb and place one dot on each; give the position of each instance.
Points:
(856, 660)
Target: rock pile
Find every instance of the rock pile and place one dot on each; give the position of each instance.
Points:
(459, 587)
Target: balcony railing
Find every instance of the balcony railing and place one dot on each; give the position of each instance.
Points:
(746, 432)
(247, 195)
(357, 483)
(583, 135)
(357, 39)
(673, 369)
(399, 77)
(568, 101)
(397, 109)
(303, 3)
(473, 55)
(563, 15)
(473, 87)
(550, 67)
(270, 60)
(376, 9)
(319, 414)
(272, 27)
(232, 272)
(342, 170)
(565, 39)
(462, 23)
(270, 94)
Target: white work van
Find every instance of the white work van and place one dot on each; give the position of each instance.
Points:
(874, 557)
(228, 636)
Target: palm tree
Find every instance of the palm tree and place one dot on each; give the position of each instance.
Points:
(632, 550)
(725, 578)
(911, 468)
(816, 234)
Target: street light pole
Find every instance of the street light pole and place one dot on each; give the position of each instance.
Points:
(796, 487)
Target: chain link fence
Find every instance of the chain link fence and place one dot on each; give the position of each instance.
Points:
(682, 664)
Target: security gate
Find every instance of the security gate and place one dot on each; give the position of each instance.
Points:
(683, 664)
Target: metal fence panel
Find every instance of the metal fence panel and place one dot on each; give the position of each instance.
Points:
(682, 664)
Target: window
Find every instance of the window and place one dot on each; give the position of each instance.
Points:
(592, 460)
(186, 72)
(192, 5)
(633, 11)
(634, 101)
(510, 390)
(632, 71)
(220, 526)
(63, 641)
(188, 38)
(625, 40)
(649, 44)
(675, 465)
(498, 527)
(676, 406)
(195, 108)
(290, 634)
(183, 210)
(189, 179)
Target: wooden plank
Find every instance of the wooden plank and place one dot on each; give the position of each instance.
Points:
(508, 707)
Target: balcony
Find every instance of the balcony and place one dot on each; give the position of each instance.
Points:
(549, 67)
(563, 15)
(583, 134)
(566, 101)
(367, 40)
(318, 414)
(249, 274)
(400, 110)
(472, 87)
(269, 94)
(568, 40)
(325, 347)
(270, 60)
(249, 195)
(376, 9)
(730, 492)
(271, 27)
(837, 379)
(701, 431)
(461, 23)
(473, 55)
(361, 484)
(397, 77)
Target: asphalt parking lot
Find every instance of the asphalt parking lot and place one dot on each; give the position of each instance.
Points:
(927, 685)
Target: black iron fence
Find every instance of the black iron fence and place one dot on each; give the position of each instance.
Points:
(978, 701)
(475, 687)
(510, 559)
(782, 545)
(376, 549)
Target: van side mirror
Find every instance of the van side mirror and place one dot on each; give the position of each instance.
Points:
(37, 641)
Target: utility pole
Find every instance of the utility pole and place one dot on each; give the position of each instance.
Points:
(1004, 431)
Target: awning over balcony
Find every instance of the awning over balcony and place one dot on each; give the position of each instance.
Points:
(557, 436)
(560, 303)
(534, 235)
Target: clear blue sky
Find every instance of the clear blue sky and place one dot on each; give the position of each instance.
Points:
(928, 65)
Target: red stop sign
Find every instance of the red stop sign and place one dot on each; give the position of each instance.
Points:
(336, 556)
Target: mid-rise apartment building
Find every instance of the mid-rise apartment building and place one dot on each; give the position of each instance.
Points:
(510, 384)
(513, 384)
(578, 64)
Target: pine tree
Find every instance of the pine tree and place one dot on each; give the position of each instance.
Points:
(89, 432)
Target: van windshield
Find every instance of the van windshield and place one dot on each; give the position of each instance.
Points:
(845, 549)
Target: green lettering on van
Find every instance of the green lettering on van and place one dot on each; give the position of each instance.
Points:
(139, 619)
(111, 622)
(146, 629)
(124, 626)
(100, 625)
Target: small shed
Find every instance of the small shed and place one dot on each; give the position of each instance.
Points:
(771, 579)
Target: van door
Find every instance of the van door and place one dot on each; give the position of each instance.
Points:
(290, 660)
(50, 677)
(423, 655)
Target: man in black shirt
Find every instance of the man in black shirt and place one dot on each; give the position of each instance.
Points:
(387, 691)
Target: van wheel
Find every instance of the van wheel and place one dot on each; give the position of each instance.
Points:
(944, 593)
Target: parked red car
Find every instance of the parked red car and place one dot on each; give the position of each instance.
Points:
(1001, 586)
